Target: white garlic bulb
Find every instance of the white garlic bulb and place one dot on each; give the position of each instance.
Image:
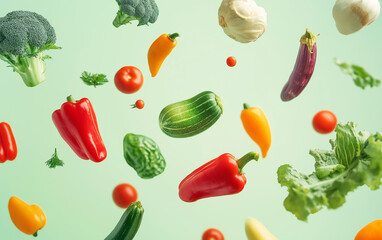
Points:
(352, 15)
(242, 20)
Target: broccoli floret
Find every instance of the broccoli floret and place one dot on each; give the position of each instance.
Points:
(23, 38)
(145, 11)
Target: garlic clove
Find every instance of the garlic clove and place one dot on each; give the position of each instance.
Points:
(352, 15)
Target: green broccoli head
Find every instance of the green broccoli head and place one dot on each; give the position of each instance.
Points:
(145, 11)
(24, 36)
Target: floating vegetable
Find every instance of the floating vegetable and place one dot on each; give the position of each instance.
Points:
(324, 122)
(360, 76)
(124, 194)
(355, 160)
(372, 231)
(129, 224)
(27, 218)
(212, 234)
(144, 155)
(128, 79)
(24, 38)
(144, 11)
(138, 104)
(94, 79)
(159, 50)
(242, 20)
(77, 124)
(353, 15)
(257, 231)
(8, 147)
(257, 127)
(231, 61)
(303, 69)
(221, 176)
(192, 116)
(54, 161)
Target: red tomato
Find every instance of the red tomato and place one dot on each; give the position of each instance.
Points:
(139, 104)
(324, 122)
(124, 194)
(212, 234)
(128, 79)
(231, 61)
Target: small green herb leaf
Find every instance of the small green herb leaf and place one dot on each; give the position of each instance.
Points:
(94, 79)
(359, 75)
(54, 161)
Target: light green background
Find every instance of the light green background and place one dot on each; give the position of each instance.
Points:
(77, 198)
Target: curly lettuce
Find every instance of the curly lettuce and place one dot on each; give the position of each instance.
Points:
(354, 160)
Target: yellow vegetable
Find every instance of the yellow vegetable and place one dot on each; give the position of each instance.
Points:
(256, 231)
(27, 218)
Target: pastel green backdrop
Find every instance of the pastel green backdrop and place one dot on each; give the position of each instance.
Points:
(77, 197)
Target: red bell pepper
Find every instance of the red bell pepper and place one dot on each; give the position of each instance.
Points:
(77, 124)
(8, 148)
(221, 176)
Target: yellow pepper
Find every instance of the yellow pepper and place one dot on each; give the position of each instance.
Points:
(257, 127)
(257, 231)
(159, 50)
(27, 218)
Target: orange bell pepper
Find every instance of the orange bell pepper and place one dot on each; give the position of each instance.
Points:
(27, 218)
(372, 231)
(159, 50)
(257, 127)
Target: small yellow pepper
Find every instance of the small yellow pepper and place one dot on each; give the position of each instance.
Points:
(372, 231)
(257, 231)
(159, 50)
(27, 218)
(257, 127)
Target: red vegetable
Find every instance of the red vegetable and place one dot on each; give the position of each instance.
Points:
(212, 234)
(138, 104)
(231, 61)
(303, 69)
(124, 194)
(77, 124)
(128, 79)
(221, 176)
(324, 122)
(8, 147)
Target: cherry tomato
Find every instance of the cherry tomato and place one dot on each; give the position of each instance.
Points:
(128, 79)
(324, 122)
(139, 104)
(212, 234)
(231, 61)
(124, 194)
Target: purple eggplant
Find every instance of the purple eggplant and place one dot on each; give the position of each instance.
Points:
(303, 69)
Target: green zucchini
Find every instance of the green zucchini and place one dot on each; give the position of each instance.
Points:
(192, 116)
(129, 223)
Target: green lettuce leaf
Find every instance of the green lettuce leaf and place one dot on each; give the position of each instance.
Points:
(354, 160)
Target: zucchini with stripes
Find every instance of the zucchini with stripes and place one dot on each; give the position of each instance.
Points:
(192, 116)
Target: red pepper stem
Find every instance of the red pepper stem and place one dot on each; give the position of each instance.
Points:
(71, 99)
(246, 106)
(173, 36)
(245, 159)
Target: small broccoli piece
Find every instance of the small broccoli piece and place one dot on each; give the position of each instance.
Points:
(23, 38)
(144, 11)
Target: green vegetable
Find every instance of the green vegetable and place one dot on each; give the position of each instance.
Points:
(192, 116)
(355, 160)
(54, 161)
(129, 223)
(143, 154)
(145, 11)
(24, 36)
(94, 79)
(360, 77)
